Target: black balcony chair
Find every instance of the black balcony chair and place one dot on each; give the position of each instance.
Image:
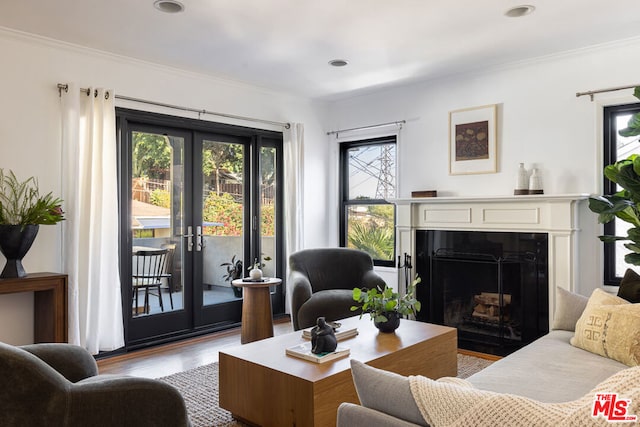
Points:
(149, 269)
(168, 272)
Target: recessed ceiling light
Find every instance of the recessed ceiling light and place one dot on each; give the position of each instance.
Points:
(338, 62)
(168, 6)
(518, 11)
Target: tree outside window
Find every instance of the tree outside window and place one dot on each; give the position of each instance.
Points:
(222, 170)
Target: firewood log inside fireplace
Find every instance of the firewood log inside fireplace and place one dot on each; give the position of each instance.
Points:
(488, 306)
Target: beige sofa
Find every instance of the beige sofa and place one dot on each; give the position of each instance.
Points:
(548, 370)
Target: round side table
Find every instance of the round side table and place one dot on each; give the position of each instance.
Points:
(257, 318)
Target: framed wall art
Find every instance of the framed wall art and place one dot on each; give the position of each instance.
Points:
(473, 140)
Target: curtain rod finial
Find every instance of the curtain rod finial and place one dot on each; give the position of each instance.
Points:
(62, 87)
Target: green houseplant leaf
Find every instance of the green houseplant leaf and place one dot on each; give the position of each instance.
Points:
(632, 258)
(628, 179)
(633, 127)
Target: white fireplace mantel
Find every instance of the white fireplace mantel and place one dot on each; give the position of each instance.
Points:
(556, 215)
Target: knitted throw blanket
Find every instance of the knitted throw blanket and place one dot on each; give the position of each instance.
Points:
(455, 402)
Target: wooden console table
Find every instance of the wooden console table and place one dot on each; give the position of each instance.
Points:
(49, 303)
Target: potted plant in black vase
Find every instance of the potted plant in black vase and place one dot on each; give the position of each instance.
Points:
(625, 204)
(22, 210)
(234, 271)
(385, 306)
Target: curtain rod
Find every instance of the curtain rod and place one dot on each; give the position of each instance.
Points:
(396, 123)
(65, 87)
(611, 89)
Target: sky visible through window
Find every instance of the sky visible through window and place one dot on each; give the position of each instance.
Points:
(372, 172)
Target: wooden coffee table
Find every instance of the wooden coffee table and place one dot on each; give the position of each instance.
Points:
(261, 385)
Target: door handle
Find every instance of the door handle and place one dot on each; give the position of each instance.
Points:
(189, 237)
(199, 239)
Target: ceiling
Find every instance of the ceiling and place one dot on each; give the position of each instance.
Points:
(286, 44)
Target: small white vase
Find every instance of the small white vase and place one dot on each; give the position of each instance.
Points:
(255, 274)
(522, 181)
(535, 183)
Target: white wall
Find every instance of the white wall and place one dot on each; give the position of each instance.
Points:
(30, 132)
(541, 123)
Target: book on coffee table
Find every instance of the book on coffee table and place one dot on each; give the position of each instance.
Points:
(341, 334)
(303, 351)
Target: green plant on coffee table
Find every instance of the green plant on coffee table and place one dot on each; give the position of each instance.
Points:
(625, 204)
(22, 204)
(377, 302)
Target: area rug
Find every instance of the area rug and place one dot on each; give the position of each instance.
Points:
(199, 387)
(469, 365)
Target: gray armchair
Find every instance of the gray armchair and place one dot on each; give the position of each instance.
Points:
(59, 385)
(322, 282)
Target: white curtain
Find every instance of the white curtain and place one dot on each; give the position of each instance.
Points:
(90, 232)
(293, 194)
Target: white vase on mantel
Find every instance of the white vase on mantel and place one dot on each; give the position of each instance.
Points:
(535, 183)
(522, 181)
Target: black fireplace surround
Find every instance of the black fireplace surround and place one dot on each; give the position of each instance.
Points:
(492, 286)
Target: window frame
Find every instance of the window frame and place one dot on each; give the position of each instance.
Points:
(345, 202)
(610, 155)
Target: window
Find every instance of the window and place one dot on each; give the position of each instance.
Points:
(616, 148)
(367, 181)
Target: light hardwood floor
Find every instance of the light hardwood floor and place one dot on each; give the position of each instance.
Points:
(180, 356)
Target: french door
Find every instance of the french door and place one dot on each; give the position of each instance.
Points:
(200, 203)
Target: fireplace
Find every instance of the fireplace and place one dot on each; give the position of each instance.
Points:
(515, 299)
(491, 286)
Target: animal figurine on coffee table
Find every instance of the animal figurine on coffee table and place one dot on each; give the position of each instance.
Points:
(323, 339)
